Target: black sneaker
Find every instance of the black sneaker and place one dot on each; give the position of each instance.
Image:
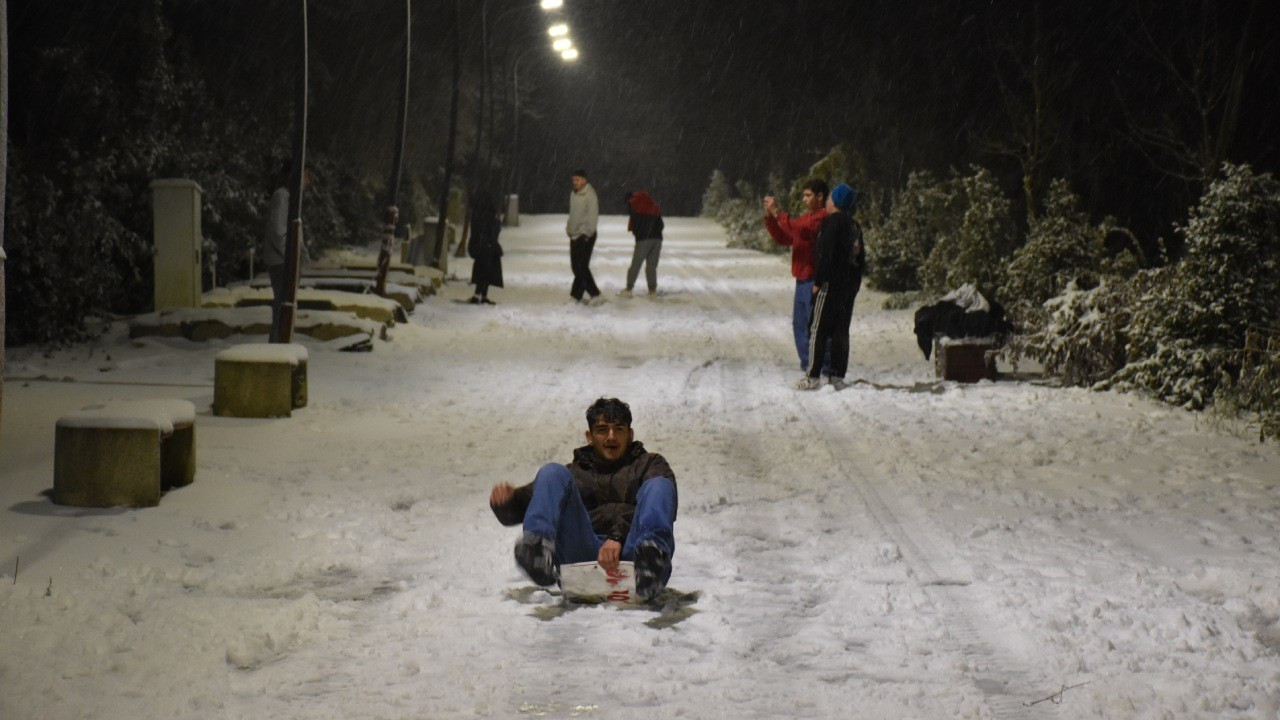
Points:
(652, 565)
(536, 555)
(475, 300)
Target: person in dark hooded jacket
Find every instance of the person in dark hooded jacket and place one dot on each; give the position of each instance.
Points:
(837, 277)
(646, 224)
(615, 501)
(486, 271)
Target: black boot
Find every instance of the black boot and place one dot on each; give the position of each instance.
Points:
(536, 555)
(653, 565)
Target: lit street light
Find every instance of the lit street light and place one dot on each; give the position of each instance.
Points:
(559, 30)
(552, 4)
(570, 54)
(562, 44)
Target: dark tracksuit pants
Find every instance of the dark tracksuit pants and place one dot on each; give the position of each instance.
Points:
(580, 249)
(829, 329)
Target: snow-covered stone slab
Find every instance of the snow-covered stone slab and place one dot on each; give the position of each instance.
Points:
(124, 453)
(260, 380)
(369, 307)
(407, 295)
(209, 323)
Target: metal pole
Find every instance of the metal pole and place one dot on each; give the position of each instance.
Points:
(293, 243)
(393, 185)
(475, 174)
(453, 135)
(4, 173)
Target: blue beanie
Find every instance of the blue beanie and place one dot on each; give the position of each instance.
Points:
(844, 197)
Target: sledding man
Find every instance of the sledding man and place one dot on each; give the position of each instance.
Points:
(615, 501)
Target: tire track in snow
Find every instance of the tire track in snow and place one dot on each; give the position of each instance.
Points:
(994, 671)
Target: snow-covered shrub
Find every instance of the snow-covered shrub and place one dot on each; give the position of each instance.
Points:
(1062, 247)
(977, 251)
(1082, 338)
(841, 164)
(743, 219)
(716, 196)
(1188, 333)
(1257, 388)
(921, 212)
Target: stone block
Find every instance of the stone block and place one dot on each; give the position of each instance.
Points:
(124, 453)
(260, 380)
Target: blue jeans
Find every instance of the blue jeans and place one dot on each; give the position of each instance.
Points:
(556, 511)
(801, 315)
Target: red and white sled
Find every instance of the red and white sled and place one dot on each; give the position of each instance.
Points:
(589, 581)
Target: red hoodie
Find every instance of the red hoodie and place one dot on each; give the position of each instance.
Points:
(799, 234)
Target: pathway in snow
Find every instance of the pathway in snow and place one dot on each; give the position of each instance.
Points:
(903, 548)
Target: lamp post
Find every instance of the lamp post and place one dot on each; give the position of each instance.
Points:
(567, 52)
(393, 184)
(293, 242)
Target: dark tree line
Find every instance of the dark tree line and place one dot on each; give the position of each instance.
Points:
(109, 96)
(1135, 105)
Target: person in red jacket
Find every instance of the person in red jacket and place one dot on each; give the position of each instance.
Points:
(800, 234)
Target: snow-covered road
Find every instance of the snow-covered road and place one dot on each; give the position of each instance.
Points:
(904, 548)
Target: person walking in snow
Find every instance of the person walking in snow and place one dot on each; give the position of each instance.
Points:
(837, 277)
(646, 225)
(584, 214)
(615, 501)
(275, 230)
(486, 271)
(799, 234)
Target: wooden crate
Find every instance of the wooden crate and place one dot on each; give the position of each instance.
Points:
(965, 361)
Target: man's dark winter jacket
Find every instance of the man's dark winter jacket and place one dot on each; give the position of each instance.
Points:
(840, 255)
(608, 492)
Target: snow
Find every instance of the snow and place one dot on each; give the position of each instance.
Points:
(902, 548)
(260, 352)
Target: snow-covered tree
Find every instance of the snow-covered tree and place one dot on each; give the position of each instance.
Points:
(1062, 247)
(1188, 335)
(977, 251)
(716, 195)
(921, 212)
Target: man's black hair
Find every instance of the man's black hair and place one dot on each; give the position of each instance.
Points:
(818, 186)
(580, 173)
(610, 410)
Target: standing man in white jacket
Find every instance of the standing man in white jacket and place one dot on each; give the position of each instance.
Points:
(584, 213)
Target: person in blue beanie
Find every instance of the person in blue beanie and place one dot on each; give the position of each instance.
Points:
(837, 277)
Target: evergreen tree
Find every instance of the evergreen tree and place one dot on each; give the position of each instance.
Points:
(1062, 247)
(1188, 334)
(921, 212)
(976, 251)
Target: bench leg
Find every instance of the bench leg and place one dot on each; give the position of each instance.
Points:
(178, 457)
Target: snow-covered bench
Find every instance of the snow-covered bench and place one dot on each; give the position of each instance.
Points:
(124, 453)
(260, 380)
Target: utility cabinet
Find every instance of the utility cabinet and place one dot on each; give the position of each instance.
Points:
(175, 213)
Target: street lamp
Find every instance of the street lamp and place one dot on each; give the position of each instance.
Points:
(561, 45)
(552, 4)
(558, 30)
(570, 54)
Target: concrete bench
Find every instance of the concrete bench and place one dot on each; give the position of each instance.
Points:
(124, 453)
(966, 360)
(260, 380)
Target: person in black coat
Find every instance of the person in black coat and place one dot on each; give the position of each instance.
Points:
(486, 271)
(837, 277)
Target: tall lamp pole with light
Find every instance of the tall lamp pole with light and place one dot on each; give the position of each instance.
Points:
(562, 45)
(397, 163)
